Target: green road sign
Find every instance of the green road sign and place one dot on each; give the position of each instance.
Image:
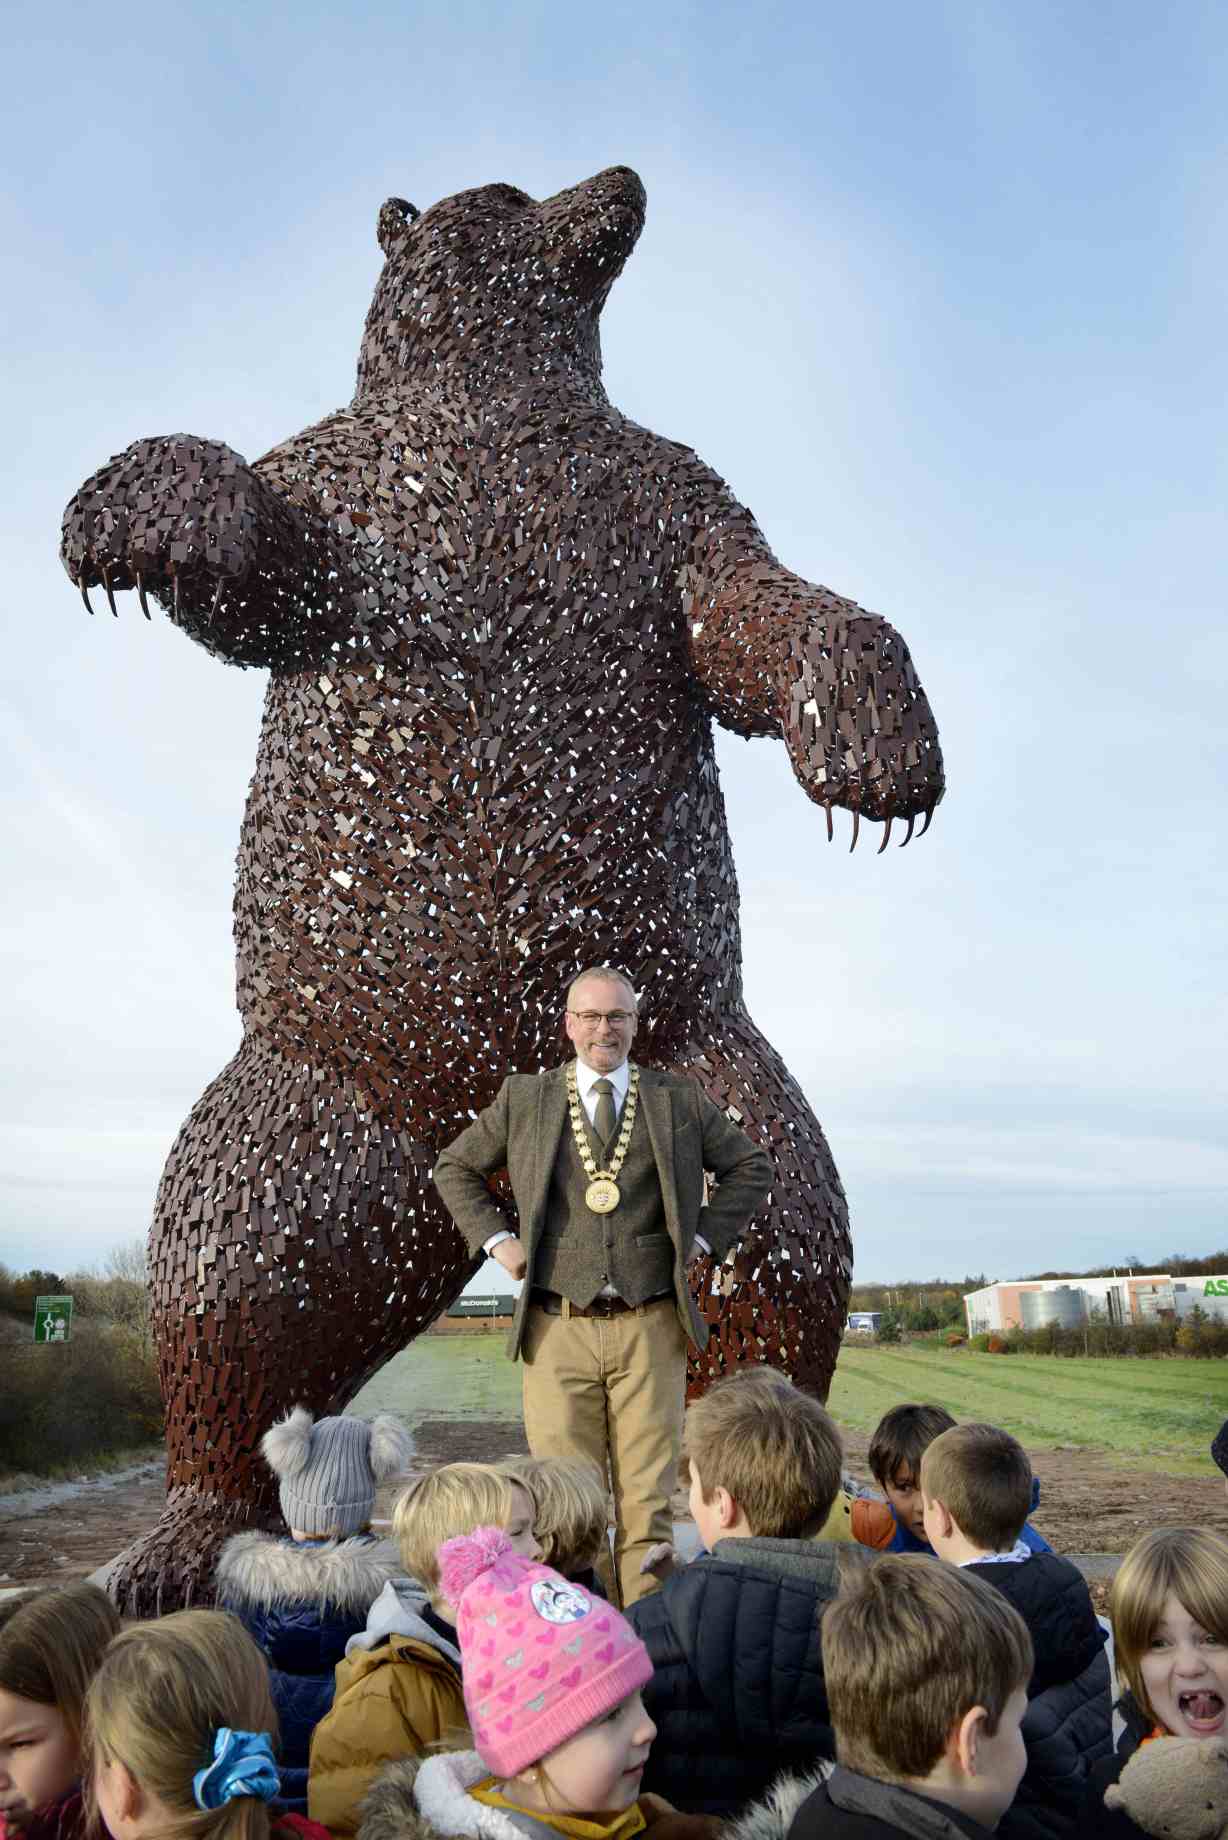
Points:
(52, 1319)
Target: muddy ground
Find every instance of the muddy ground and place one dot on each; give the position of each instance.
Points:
(1088, 1504)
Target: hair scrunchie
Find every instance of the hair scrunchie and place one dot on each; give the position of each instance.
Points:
(243, 1764)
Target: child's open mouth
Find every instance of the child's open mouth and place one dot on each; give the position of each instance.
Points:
(1203, 1711)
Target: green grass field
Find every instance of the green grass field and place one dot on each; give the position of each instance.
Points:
(446, 1376)
(1146, 1414)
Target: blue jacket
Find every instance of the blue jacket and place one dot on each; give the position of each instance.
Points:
(301, 1601)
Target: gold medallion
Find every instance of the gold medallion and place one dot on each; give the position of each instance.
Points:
(602, 1194)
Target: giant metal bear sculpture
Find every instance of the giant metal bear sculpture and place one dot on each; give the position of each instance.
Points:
(499, 619)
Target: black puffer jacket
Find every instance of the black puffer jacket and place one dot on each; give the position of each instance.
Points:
(302, 1601)
(1069, 1722)
(1096, 1822)
(737, 1691)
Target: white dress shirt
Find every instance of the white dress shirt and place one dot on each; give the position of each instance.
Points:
(586, 1080)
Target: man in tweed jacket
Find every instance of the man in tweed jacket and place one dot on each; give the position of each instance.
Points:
(603, 1321)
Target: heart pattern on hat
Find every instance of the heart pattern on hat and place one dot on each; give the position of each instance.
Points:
(531, 1683)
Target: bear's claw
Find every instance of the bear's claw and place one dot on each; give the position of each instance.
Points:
(905, 840)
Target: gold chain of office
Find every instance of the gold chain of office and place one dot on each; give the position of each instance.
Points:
(602, 1195)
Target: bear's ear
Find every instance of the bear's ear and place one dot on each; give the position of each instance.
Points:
(395, 217)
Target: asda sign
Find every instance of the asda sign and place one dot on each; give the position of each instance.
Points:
(1215, 1287)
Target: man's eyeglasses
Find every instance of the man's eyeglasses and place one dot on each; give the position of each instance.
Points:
(617, 1018)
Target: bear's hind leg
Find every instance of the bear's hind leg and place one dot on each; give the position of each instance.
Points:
(784, 1301)
(297, 1244)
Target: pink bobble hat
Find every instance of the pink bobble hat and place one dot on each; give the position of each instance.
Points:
(541, 1658)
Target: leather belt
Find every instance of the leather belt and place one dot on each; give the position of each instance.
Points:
(552, 1304)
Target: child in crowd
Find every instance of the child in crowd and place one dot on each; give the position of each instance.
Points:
(1169, 1606)
(737, 1690)
(51, 1643)
(1219, 1450)
(181, 1730)
(927, 1671)
(896, 1449)
(302, 1595)
(976, 1487)
(571, 1513)
(399, 1687)
(553, 1681)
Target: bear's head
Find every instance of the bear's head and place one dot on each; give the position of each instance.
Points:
(492, 282)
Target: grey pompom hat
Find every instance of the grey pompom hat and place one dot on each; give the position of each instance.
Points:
(329, 1469)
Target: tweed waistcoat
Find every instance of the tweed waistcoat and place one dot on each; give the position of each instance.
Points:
(580, 1252)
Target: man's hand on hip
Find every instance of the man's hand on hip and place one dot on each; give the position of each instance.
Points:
(510, 1254)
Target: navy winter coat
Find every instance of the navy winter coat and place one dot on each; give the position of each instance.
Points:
(302, 1600)
(1069, 1722)
(737, 1690)
(1096, 1822)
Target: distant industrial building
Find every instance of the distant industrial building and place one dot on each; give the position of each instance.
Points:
(1034, 1303)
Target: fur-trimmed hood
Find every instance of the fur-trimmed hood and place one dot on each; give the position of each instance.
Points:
(427, 1799)
(771, 1818)
(263, 1572)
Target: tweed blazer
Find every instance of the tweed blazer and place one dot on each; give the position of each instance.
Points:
(521, 1129)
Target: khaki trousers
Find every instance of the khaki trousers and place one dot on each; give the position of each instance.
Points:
(613, 1387)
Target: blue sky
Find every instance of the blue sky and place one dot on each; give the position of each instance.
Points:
(941, 291)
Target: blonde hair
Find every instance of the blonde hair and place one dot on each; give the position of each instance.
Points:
(156, 1703)
(774, 1448)
(51, 1642)
(446, 1502)
(983, 1479)
(571, 1511)
(909, 1647)
(1188, 1563)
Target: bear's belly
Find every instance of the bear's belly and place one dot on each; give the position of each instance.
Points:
(424, 864)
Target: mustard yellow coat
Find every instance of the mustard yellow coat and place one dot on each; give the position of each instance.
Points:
(389, 1703)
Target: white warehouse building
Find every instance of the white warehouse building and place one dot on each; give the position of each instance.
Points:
(1034, 1303)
